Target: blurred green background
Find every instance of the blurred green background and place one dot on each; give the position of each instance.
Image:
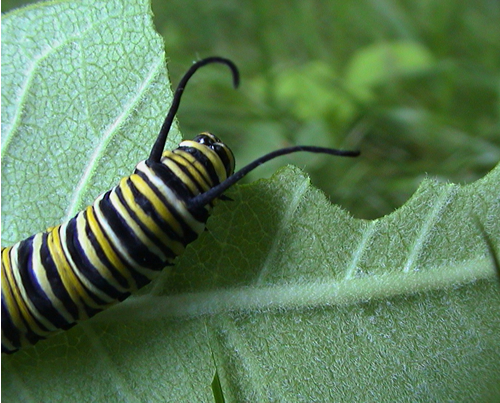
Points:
(413, 84)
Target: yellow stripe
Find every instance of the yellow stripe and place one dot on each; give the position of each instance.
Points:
(107, 248)
(161, 208)
(174, 246)
(43, 280)
(131, 223)
(183, 177)
(90, 252)
(220, 170)
(198, 171)
(70, 280)
(199, 168)
(7, 293)
(177, 204)
(200, 177)
(75, 264)
(15, 300)
(230, 157)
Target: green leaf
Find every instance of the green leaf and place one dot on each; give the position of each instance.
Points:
(385, 62)
(291, 297)
(313, 91)
(84, 92)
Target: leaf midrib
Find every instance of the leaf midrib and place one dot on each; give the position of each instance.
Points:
(30, 75)
(297, 296)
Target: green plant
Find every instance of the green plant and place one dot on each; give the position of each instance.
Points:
(286, 295)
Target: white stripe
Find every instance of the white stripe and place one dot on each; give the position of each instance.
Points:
(43, 281)
(38, 271)
(115, 240)
(135, 227)
(171, 197)
(91, 254)
(86, 283)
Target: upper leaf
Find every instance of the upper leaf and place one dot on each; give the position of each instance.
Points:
(84, 94)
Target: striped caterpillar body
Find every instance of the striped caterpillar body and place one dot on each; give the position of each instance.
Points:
(54, 279)
(119, 244)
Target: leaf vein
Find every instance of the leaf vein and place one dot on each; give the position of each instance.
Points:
(76, 198)
(30, 74)
(283, 225)
(432, 218)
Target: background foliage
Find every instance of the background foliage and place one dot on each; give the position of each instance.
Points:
(413, 84)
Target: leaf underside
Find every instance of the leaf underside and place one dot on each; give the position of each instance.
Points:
(286, 297)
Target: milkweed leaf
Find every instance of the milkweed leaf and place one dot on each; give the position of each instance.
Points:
(300, 299)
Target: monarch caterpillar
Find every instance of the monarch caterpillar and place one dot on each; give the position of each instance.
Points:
(54, 279)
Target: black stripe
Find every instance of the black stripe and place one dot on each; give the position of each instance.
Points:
(9, 330)
(101, 255)
(169, 253)
(201, 187)
(205, 162)
(87, 269)
(175, 184)
(57, 285)
(150, 210)
(136, 277)
(126, 236)
(182, 193)
(200, 214)
(35, 293)
(222, 152)
(170, 179)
